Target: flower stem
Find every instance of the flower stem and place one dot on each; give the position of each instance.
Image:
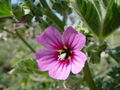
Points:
(88, 77)
(24, 41)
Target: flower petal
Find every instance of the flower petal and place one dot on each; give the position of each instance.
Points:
(51, 38)
(44, 58)
(73, 38)
(44, 62)
(44, 52)
(59, 70)
(78, 62)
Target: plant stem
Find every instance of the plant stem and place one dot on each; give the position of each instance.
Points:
(88, 77)
(25, 42)
(20, 36)
(49, 13)
(7, 31)
(65, 17)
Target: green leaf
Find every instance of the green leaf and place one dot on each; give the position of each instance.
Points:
(95, 56)
(106, 2)
(61, 6)
(115, 53)
(102, 17)
(109, 81)
(88, 13)
(5, 8)
(112, 18)
(28, 18)
(26, 66)
(18, 12)
(94, 51)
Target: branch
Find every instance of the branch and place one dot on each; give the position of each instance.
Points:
(88, 77)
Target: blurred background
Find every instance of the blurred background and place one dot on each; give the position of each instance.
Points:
(18, 68)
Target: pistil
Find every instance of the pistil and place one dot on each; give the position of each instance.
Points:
(64, 54)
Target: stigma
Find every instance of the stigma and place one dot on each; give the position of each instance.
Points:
(62, 56)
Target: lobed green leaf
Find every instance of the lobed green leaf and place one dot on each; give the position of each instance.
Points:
(5, 8)
(101, 16)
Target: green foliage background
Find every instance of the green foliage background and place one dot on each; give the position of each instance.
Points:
(21, 22)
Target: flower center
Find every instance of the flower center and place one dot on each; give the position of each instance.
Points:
(64, 54)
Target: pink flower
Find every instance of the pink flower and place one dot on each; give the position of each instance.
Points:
(62, 53)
